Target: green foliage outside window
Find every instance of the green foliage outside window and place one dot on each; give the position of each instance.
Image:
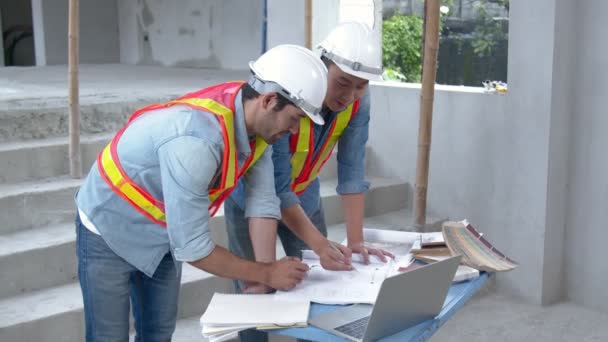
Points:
(402, 39)
(488, 31)
(401, 49)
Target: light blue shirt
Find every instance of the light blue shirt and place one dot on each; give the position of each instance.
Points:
(351, 162)
(173, 153)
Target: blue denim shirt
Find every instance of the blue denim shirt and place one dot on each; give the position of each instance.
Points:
(351, 162)
(174, 154)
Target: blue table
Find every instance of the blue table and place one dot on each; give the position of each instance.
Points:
(458, 295)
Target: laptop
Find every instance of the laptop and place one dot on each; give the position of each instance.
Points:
(404, 300)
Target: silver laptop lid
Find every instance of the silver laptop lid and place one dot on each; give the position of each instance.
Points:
(410, 298)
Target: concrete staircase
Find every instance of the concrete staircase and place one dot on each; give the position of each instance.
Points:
(40, 298)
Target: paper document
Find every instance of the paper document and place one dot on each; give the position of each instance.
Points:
(362, 285)
(231, 309)
(227, 314)
(339, 287)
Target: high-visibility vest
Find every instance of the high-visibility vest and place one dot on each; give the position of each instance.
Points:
(218, 100)
(305, 169)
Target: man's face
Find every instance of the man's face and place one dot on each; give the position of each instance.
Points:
(342, 89)
(273, 125)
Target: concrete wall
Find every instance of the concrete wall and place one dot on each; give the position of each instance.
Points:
(286, 18)
(586, 234)
(209, 34)
(468, 176)
(563, 101)
(223, 33)
(285, 22)
(98, 31)
(526, 143)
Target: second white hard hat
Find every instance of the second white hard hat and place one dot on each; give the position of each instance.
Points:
(294, 72)
(355, 49)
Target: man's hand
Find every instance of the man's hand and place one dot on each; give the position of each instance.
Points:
(366, 252)
(257, 288)
(286, 273)
(336, 258)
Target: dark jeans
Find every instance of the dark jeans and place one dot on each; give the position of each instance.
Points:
(108, 283)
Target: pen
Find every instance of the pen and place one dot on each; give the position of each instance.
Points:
(337, 250)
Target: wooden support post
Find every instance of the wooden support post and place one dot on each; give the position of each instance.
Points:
(308, 24)
(74, 105)
(431, 45)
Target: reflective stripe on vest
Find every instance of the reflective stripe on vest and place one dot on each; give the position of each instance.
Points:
(218, 100)
(304, 170)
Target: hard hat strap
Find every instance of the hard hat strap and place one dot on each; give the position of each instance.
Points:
(264, 87)
(356, 66)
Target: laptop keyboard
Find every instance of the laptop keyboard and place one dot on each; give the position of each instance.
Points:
(355, 328)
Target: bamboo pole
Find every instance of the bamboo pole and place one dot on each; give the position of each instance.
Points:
(431, 45)
(308, 24)
(74, 105)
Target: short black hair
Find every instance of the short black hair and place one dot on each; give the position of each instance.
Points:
(248, 93)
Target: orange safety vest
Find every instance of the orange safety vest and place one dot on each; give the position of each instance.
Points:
(219, 101)
(304, 169)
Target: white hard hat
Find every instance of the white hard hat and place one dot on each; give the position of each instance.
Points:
(355, 49)
(294, 72)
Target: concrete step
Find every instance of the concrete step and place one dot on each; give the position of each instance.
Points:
(385, 195)
(40, 159)
(47, 158)
(52, 121)
(56, 314)
(37, 204)
(27, 201)
(33, 104)
(34, 259)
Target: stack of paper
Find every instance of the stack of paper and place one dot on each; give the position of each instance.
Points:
(227, 314)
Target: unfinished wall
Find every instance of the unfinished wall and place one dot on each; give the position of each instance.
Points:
(563, 101)
(98, 31)
(473, 164)
(586, 234)
(208, 34)
(285, 22)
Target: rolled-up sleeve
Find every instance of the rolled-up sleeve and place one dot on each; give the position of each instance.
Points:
(187, 166)
(261, 199)
(351, 151)
(281, 158)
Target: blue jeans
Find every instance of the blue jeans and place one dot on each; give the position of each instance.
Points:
(108, 283)
(239, 243)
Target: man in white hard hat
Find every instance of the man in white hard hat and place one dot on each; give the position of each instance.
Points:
(353, 56)
(146, 204)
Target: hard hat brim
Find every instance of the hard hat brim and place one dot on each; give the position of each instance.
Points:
(316, 118)
(361, 74)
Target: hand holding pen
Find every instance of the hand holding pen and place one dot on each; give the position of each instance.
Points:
(336, 259)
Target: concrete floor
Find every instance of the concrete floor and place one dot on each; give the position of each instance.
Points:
(495, 317)
(40, 87)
